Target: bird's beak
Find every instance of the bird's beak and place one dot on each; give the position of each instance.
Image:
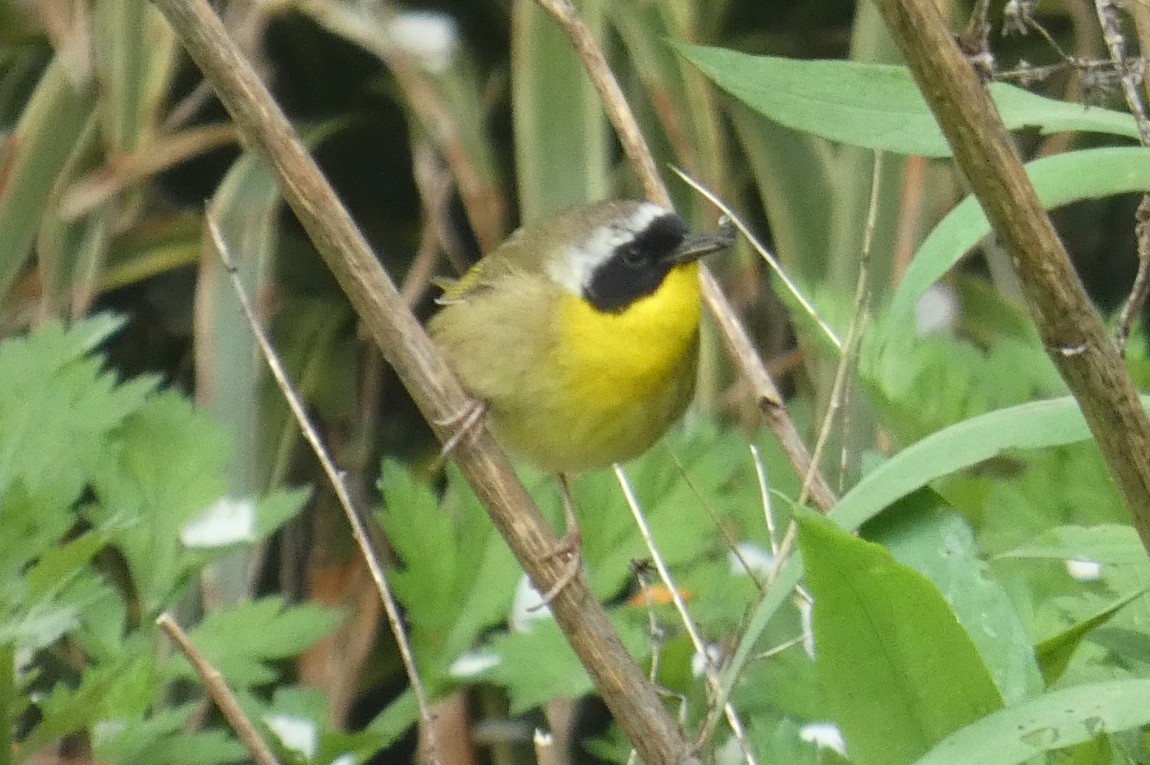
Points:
(695, 246)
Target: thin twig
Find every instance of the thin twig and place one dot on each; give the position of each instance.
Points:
(219, 692)
(1111, 23)
(654, 629)
(854, 333)
(766, 255)
(335, 477)
(697, 641)
(1132, 308)
(765, 498)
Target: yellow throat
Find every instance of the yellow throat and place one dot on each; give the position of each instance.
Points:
(621, 378)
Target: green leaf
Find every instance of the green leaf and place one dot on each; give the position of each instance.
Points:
(1059, 180)
(1110, 544)
(113, 690)
(922, 533)
(1054, 652)
(58, 565)
(51, 127)
(457, 577)
(242, 641)
(899, 670)
(168, 469)
(160, 738)
(876, 106)
(561, 140)
(1052, 721)
(539, 665)
(395, 719)
(56, 398)
(1028, 426)
(1035, 425)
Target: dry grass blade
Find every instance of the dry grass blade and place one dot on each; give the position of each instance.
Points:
(358, 527)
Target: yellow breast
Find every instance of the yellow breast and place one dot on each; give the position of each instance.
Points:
(619, 360)
(620, 379)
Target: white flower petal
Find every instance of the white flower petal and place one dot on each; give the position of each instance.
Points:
(296, 733)
(227, 522)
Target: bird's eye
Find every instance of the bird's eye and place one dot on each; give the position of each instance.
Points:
(633, 257)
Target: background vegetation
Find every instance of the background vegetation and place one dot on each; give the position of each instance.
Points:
(993, 609)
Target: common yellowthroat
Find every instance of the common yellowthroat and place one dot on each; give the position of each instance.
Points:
(580, 333)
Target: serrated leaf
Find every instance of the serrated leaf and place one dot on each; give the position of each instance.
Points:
(58, 565)
(457, 576)
(539, 665)
(242, 641)
(899, 670)
(169, 468)
(113, 690)
(57, 398)
(877, 106)
(160, 738)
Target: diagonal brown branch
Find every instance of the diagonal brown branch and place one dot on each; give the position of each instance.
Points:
(625, 689)
(1071, 329)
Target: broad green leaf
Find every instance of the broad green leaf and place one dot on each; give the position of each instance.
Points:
(1052, 721)
(1059, 180)
(900, 672)
(1028, 426)
(921, 533)
(877, 106)
(1035, 425)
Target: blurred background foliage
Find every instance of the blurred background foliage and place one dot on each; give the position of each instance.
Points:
(441, 125)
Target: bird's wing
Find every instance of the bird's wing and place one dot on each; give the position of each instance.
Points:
(513, 257)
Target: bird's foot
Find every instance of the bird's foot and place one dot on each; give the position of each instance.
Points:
(464, 425)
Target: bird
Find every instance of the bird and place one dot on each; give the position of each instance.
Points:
(579, 338)
(580, 333)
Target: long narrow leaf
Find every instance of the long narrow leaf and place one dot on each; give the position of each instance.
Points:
(876, 106)
(45, 137)
(1059, 180)
(1053, 721)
